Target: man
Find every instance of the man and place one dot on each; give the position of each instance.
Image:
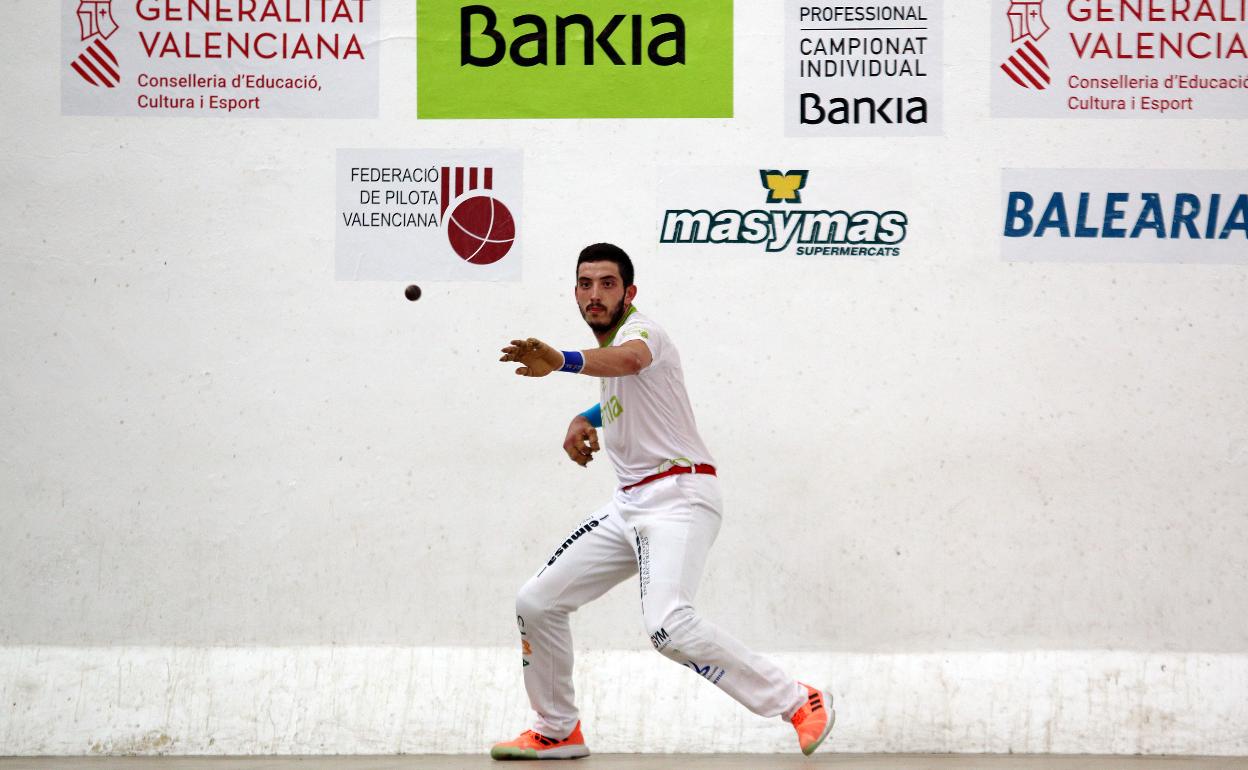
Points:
(659, 524)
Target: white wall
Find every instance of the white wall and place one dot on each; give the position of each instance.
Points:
(211, 442)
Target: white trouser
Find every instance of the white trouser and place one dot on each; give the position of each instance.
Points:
(663, 529)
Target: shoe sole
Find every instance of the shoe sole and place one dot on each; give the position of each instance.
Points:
(808, 750)
(575, 751)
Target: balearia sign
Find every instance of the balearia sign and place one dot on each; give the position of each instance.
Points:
(1125, 215)
(574, 59)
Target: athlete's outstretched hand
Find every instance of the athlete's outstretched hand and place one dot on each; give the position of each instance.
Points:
(539, 359)
(581, 441)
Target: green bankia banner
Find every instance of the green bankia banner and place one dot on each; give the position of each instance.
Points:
(574, 59)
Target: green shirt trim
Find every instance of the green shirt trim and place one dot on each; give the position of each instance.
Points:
(616, 330)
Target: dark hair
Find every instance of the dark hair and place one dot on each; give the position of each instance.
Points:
(608, 252)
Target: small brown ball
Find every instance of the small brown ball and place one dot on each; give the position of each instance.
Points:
(412, 292)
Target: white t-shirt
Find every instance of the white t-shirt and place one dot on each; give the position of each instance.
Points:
(647, 421)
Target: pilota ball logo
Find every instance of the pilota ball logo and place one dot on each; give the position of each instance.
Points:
(481, 230)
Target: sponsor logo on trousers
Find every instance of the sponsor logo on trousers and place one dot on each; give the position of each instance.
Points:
(583, 530)
(710, 673)
(643, 565)
(525, 649)
(660, 639)
(580, 532)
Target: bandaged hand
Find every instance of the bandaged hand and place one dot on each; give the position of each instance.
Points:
(581, 441)
(539, 359)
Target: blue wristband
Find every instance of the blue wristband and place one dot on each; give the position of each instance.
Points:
(573, 361)
(594, 415)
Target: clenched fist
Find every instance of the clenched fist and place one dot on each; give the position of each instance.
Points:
(539, 359)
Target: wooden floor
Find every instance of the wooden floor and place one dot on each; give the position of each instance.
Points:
(641, 762)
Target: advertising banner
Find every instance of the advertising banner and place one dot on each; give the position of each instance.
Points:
(429, 215)
(1124, 215)
(800, 212)
(868, 68)
(1120, 59)
(227, 58)
(574, 59)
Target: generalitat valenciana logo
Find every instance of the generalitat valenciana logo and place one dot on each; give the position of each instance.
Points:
(96, 63)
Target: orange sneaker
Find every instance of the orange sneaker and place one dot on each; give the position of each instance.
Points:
(534, 745)
(813, 720)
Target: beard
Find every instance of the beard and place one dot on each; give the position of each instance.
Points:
(614, 316)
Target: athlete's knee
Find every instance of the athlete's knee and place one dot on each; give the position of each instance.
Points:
(671, 629)
(532, 604)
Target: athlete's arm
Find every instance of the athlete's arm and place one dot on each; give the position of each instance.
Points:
(617, 361)
(581, 441)
(540, 359)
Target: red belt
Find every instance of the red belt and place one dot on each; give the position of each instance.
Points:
(673, 471)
